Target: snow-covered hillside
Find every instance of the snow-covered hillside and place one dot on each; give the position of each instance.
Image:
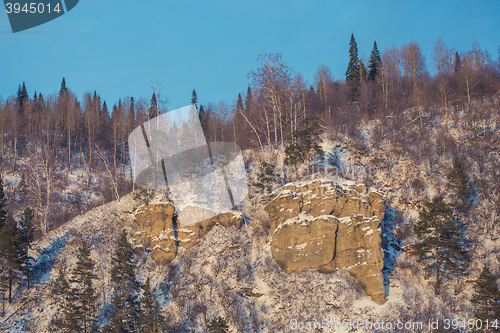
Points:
(231, 273)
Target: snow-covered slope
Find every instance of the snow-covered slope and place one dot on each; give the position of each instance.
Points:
(230, 272)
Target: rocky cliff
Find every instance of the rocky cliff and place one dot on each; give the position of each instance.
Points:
(327, 226)
(318, 225)
(161, 233)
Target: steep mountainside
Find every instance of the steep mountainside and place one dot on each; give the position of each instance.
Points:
(234, 271)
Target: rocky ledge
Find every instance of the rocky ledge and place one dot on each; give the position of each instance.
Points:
(326, 226)
(159, 231)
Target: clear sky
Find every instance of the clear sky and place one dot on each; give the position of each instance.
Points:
(121, 47)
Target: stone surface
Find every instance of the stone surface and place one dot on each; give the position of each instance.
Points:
(327, 226)
(159, 232)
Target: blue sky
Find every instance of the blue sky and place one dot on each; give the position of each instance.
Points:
(122, 47)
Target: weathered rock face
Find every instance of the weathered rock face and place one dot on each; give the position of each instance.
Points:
(326, 226)
(160, 234)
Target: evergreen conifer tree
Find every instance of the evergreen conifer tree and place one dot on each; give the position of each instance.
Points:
(63, 86)
(154, 110)
(352, 74)
(26, 229)
(374, 63)
(131, 116)
(458, 63)
(266, 177)
(83, 289)
(306, 143)
(150, 317)
(22, 95)
(239, 103)
(218, 325)
(11, 251)
(194, 99)
(441, 252)
(248, 100)
(486, 296)
(124, 315)
(458, 182)
(66, 318)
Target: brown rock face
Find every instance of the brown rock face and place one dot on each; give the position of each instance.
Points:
(159, 234)
(325, 226)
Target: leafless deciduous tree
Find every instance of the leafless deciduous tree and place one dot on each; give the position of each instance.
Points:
(40, 176)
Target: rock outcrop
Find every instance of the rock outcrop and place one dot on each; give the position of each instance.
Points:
(327, 226)
(160, 234)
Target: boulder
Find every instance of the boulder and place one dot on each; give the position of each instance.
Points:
(328, 226)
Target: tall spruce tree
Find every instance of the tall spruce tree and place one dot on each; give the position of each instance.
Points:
(82, 282)
(150, 317)
(441, 251)
(239, 104)
(27, 229)
(457, 63)
(352, 74)
(11, 251)
(248, 100)
(154, 110)
(486, 296)
(374, 63)
(124, 314)
(458, 182)
(63, 296)
(63, 86)
(194, 99)
(22, 96)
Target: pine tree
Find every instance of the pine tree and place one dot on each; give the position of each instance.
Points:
(218, 325)
(239, 104)
(305, 145)
(238, 125)
(352, 73)
(124, 315)
(266, 177)
(63, 296)
(26, 229)
(458, 63)
(131, 116)
(22, 96)
(441, 252)
(150, 318)
(83, 289)
(374, 63)
(11, 251)
(194, 99)
(63, 86)
(458, 182)
(248, 100)
(153, 108)
(486, 296)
